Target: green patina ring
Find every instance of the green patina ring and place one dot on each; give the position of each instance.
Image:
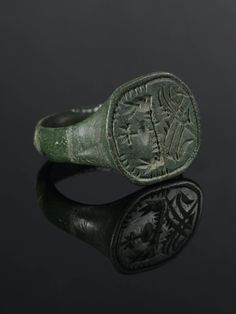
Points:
(148, 130)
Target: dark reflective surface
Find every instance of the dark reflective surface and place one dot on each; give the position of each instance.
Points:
(56, 55)
(138, 232)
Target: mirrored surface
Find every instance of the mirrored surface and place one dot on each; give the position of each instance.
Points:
(138, 232)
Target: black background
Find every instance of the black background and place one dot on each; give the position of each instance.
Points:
(55, 55)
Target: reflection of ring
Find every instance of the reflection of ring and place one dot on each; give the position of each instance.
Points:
(138, 232)
(148, 129)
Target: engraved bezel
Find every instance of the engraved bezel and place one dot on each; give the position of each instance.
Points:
(113, 102)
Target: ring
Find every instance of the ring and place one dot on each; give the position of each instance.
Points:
(148, 130)
(139, 232)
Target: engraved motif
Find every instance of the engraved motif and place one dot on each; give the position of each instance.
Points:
(155, 128)
(158, 227)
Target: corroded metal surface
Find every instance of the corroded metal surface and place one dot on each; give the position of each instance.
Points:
(148, 130)
(155, 128)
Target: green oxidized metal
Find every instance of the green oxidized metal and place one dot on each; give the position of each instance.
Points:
(148, 130)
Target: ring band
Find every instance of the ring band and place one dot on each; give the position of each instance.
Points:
(138, 232)
(148, 130)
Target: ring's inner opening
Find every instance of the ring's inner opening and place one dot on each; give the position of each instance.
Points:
(64, 119)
